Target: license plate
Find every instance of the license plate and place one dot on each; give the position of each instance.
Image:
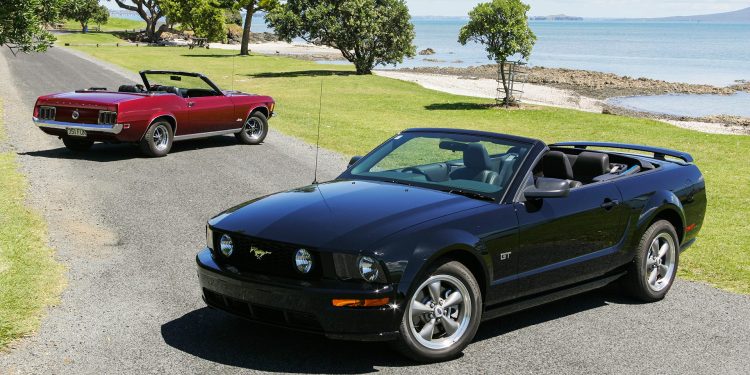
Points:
(76, 132)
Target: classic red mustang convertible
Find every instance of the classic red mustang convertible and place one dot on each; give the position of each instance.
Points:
(169, 106)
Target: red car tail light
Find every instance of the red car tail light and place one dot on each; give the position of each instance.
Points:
(47, 113)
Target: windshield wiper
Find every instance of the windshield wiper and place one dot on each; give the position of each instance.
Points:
(470, 194)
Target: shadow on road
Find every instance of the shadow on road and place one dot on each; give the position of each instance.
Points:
(218, 337)
(302, 73)
(457, 106)
(103, 152)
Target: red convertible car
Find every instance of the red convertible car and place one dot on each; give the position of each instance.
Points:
(169, 106)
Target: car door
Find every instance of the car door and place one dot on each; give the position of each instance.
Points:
(568, 239)
(211, 113)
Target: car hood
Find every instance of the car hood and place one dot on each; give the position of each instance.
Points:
(340, 215)
(91, 98)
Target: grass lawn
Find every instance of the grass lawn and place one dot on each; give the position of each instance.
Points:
(30, 278)
(88, 38)
(362, 111)
(113, 24)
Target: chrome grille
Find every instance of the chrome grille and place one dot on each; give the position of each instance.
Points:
(107, 118)
(47, 113)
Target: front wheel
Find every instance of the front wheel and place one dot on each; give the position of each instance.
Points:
(158, 139)
(655, 265)
(255, 129)
(442, 315)
(77, 145)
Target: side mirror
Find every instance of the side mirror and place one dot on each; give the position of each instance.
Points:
(548, 188)
(354, 160)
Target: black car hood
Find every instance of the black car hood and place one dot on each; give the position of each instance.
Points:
(340, 215)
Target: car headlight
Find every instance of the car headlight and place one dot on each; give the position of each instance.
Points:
(226, 245)
(303, 260)
(369, 269)
(209, 238)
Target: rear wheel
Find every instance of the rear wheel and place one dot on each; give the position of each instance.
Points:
(158, 139)
(255, 129)
(655, 265)
(442, 315)
(77, 145)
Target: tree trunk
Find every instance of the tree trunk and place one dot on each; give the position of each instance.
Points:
(84, 29)
(150, 30)
(506, 100)
(250, 9)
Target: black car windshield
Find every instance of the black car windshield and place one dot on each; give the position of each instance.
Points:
(477, 166)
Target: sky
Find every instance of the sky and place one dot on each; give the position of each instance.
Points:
(588, 8)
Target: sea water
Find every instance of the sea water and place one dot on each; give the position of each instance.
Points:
(688, 105)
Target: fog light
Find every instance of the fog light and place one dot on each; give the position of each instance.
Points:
(303, 261)
(226, 245)
(368, 268)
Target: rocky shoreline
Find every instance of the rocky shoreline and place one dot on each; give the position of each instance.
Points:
(592, 84)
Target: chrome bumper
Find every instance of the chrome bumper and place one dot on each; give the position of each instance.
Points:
(51, 124)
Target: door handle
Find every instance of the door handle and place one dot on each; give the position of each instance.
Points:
(610, 204)
(190, 104)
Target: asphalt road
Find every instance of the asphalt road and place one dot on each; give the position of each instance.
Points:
(128, 228)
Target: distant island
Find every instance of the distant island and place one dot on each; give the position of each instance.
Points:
(738, 16)
(556, 17)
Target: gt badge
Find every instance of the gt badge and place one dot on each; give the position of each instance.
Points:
(505, 256)
(258, 252)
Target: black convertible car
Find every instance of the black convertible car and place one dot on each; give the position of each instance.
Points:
(438, 229)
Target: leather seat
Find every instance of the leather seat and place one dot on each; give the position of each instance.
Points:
(477, 166)
(556, 164)
(590, 165)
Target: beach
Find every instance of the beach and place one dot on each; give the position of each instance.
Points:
(558, 87)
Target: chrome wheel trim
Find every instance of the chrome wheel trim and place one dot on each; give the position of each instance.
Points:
(439, 312)
(253, 128)
(161, 137)
(660, 262)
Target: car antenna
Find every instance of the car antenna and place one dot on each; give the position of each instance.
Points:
(233, 58)
(317, 142)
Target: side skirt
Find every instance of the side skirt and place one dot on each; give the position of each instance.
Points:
(533, 301)
(206, 135)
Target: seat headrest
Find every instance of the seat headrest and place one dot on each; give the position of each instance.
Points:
(127, 88)
(476, 157)
(590, 165)
(556, 165)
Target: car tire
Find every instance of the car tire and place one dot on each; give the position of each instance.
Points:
(158, 139)
(655, 264)
(254, 130)
(77, 145)
(442, 344)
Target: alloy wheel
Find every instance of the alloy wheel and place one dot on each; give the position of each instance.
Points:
(440, 312)
(161, 137)
(660, 262)
(254, 128)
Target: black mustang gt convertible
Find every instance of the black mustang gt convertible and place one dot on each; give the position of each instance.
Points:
(437, 229)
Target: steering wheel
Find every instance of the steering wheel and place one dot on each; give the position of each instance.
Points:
(416, 170)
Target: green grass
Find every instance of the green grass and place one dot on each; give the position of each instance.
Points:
(362, 111)
(88, 38)
(113, 24)
(30, 278)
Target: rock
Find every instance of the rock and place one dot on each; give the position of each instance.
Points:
(427, 52)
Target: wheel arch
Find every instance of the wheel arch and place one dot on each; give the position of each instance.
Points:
(258, 108)
(171, 119)
(663, 205)
(446, 246)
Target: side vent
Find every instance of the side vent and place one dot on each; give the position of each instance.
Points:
(47, 113)
(107, 118)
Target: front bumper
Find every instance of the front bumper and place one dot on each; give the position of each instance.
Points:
(298, 304)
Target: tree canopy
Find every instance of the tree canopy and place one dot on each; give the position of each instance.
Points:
(503, 28)
(367, 32)
(201, 16)
(22, 24)
(84, 11)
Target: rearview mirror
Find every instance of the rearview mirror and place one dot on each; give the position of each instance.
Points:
(354, 160)
(548, 188)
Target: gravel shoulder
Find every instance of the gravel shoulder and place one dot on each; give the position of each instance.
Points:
(128, 229)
